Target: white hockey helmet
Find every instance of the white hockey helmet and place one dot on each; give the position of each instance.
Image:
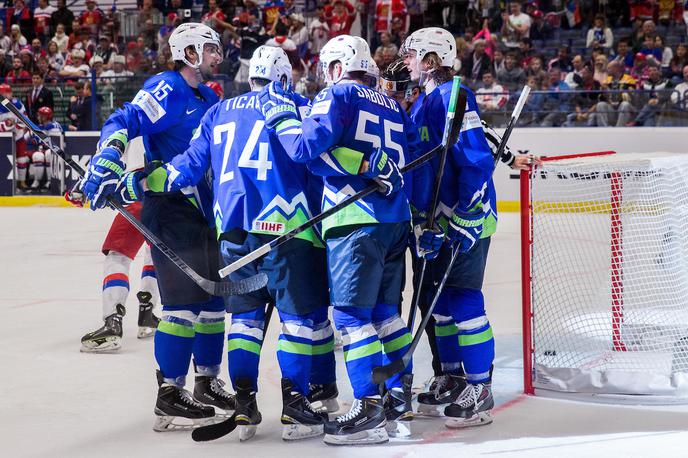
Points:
(192, 34)
(431, 39)
(352, 52)
(373, 75)
(270, 63)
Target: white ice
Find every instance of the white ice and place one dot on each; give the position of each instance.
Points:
(58, 402)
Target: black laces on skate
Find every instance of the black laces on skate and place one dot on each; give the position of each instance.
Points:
(217, 387)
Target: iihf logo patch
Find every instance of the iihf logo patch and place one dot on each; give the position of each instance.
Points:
(268, 226)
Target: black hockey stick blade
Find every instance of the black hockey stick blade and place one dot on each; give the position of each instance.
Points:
(214, 431)
(382, 373)
(222, 288)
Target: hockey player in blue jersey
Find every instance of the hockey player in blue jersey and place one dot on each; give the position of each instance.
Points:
(260, 193)
(353, 135)
(467, 209)
(165, 113)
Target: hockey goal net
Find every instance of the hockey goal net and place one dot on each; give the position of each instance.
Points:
(605, 275)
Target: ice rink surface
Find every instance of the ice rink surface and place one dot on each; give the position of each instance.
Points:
(58, 402)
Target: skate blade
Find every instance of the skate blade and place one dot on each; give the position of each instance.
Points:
(478, 419)
(110, 345)
(144, 332)
(246, 432)
(327, 406)
(367, 437)
(398, 429)
(165, 423)
(430, 410)
(296, 432)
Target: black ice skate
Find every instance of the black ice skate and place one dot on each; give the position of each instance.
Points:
(323, 398)
(109, 337)
(471, 408)
(148, 322)
(364, 424)
(443, 390)
(209, 390)
(176, 409)
(398, 408)
(246, 415)
(298, 417)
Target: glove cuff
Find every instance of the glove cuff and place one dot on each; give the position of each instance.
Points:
(463, 222)
(110, 165)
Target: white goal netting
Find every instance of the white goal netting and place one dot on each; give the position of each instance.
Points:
(609, 267)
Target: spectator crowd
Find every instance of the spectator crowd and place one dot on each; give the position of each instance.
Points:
(589, 62)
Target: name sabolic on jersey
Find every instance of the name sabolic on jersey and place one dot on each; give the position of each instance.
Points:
(257, 186)
(467, 179)
(165, 112)
(346, 122)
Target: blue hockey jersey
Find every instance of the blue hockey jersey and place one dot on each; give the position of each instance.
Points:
(467, 179)
(346, 122)
(165, 112)
(257, 186)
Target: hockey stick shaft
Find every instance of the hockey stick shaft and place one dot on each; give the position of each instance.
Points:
(382, 373)
(451, 114)
(222, 288)
(266, 248)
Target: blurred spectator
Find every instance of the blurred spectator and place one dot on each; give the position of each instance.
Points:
(23, 17)
(491, 96)
(148, 11)
(105, 50)
(556, 103)
(614, 108)
(61, 38)
(36, 48)
(398, 30)
(49, 74)
(55, 58)
(215, 18)
(670, 11)
(92, 17)
(680, 94)
(511, 76)
(96, 63)
(118, 70)
(272, 10)
(318, 31)
(280, 40)
(532, 110)
(386, 52)
(79, 112)
(85, 43)
(679, 61)
(641, 9)
(251, 35)
(476, 63)
(299, 34)
(150, 35)
(62, 15)
(28, 62)
(624, 53)
(515, 25)
(135, 58)
(160, 63)
(340, 15)
(386, 10)
(537, 70)
(540, 29)
(563, 60)
(17, 40)
(41, 17)
(572, 78)
(172, 20)
(17, 75)
(585, 98)
(498, 60)
(638, 38)
(600, 68)
(524, 47)
(39, 96)
(640, 70)
(76, 66)
(289, 8)
(666, 54)
(5, 41)
(600, 34)
(658, 92)
(648, 48)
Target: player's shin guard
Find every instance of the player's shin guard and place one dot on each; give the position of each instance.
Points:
(362, 348)
(323, 383)
(395, 338)
(210, 336)
(115, 281)
(475, 333)
(174, 342)
(149, 279)
(244, 342)
(38, 164)
(22, 168)
(295, 349)
(446, 336)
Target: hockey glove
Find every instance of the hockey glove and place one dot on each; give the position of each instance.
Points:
(385, 172)
(277, 105)
(464, 229)
(103, 174)
(428, 241)
(129, 189)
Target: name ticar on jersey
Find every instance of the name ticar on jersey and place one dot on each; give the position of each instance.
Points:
(377, 98)
(243, 102)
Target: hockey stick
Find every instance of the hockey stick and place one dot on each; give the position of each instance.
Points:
(451, 114)
(265, 249)
(218, 430)
(382, 373)
(221, 288)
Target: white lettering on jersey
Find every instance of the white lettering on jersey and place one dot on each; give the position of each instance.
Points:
(149, 105)
(321, 107)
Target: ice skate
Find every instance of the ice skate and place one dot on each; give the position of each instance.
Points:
(209, 391)
(323, 398)
(35, 185)
(398, 409)
(300, 420)
(443, 390)
(471, 408)
(148, 322)
(176, 409)
(246, 415)
(364, 424)
(108, 338)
